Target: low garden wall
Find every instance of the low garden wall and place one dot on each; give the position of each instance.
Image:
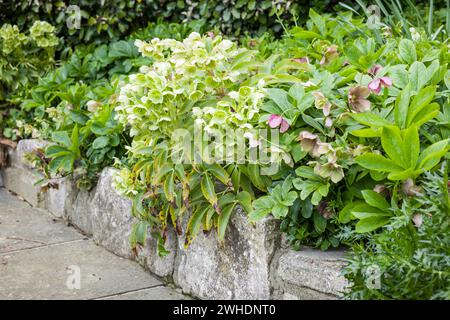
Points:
(252, 263)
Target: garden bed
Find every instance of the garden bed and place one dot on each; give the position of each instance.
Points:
(252, 263)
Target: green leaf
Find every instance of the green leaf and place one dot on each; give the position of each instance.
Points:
(74, 141)
(370, 119)
(220, 173)
(195, 221)
(370, 224)
(345, 215)
(100, 142)
(169, 187)
(78, 117)
(165, 169)
(245, 200)
(307, 208)
(375, 199)
(402, 175)
(54, 151)
(62, 137)
(420, 101)
(411, 146)
(306, 34)
(364, 211)
(307, 173)
(417, 75)
(255, 177)
(426, 114)
(407, 51)
(261, 208)
(224, 217)
(401, 107)
(141, 232)
(391, 140)
(280, 97)
(318, 21)
(208, 191)
(280, 211)
(377, 162)
(320, 223)
(431, 155)
(366, 133)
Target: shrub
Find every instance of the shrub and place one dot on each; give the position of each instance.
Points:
(24, 57)
(409, 259)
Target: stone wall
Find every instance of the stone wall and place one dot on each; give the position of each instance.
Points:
(252, 263)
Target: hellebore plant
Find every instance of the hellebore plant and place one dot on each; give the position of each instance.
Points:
(276, 121)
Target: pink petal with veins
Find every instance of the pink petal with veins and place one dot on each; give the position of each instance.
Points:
(274, 120)
(284, 126)
(386, 81)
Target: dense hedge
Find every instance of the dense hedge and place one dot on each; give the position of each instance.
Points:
(105, 20)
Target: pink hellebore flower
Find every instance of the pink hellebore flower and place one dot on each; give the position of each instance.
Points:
(330, 170)
(374, 70)
(302, 60)
(357, 98)
(330, 54)
(376, 84)
(311, 143)
(276, 121)
(321, 102)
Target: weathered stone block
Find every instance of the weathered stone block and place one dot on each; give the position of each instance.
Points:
(309, 274)
(59, 200)
(112, 223)
(21, 181)
(111, 217)
(80, 214)
(149, 258)
(235, 269)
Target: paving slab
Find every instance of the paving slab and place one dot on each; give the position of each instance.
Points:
(43, 258)
(51, 273)
(7, 199)
(24, 227)
(156, 293)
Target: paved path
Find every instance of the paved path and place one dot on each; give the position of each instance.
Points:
(41, 258)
